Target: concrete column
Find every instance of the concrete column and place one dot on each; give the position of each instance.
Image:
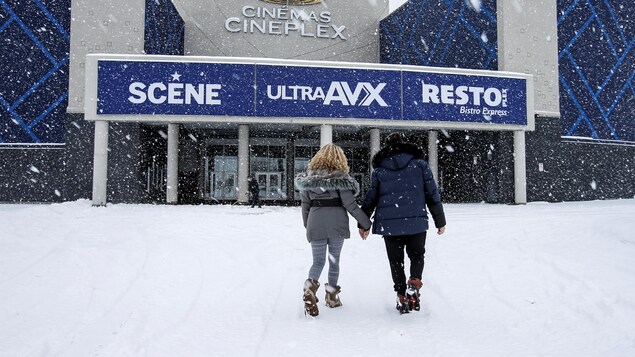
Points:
(528, 43)
(243, 163)
(326, 134)
(290, 191)
(433, 153)
(520, 169)
(100, 163)
(172, 189)
(375, 146)
(375, 142)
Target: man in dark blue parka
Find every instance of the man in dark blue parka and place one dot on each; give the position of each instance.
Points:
(402, 185)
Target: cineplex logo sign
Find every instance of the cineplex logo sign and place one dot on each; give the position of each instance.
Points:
(293, 2)
(286, 20)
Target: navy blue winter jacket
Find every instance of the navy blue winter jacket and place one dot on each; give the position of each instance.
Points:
(401, 186)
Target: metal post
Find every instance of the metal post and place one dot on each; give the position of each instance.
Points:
(100, 163)
(433, 154)
(243, 162)
(520, 170)
(172, 190)
(326, 134)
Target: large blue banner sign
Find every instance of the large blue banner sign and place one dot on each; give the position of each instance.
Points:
(129, 87)
(317, 92)
(463, 98)
(297, 91)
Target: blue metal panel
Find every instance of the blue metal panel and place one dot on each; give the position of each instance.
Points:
(34, 68)
(597, 66)
(164, 29)
(441, 33)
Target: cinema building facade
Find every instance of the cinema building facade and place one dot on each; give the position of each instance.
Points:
(179, 101)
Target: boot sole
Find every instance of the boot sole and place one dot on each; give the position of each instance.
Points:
(404, 309)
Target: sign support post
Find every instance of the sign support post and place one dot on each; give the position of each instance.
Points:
(243, 163)
(520, 170)
(433, 153)
(100, 163)
(172, 189)
(326, 134)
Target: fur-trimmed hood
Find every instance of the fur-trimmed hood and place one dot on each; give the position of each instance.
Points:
(322, 180)
(396, 156)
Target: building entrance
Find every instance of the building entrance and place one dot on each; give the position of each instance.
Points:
(269, 164)
(220, 170)
(220, 178)
(270, 185)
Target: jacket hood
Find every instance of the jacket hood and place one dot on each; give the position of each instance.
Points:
(396, 156)
(325, 181)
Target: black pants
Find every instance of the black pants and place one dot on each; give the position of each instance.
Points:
(254, 200)
(415, 245)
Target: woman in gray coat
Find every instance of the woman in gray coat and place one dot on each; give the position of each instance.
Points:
(327, 192)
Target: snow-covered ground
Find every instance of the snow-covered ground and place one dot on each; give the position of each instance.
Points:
(154, 280)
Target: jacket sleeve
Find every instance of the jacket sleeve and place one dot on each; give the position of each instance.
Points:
(306, 206)
(372, 196)
(348, 201)
(433, 198)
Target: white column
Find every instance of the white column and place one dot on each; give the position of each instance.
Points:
(172, 190)
(375, 146)
(375, 142)
(520, 170)
(243, 162)
(100, 163)
(326, 134)
(433, 153)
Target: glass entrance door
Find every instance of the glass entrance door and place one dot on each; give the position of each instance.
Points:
(223, 185)
(270, 185)
(220, 178)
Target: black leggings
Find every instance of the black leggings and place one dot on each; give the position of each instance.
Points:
(415, 245)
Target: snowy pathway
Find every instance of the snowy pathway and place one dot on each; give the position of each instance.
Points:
(143, 280)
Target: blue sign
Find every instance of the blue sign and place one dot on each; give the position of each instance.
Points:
(131, 87)
(294, 91)
(464, 98)
(318, 92)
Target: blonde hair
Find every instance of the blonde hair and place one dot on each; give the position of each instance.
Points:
(330, 158)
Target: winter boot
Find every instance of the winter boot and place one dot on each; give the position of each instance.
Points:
(310, 300)
(332, 298)
(412, 293)
(402, 304)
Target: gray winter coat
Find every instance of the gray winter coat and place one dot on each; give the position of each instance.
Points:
(329, 222)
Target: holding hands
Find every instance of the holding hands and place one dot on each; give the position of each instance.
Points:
(364, 233)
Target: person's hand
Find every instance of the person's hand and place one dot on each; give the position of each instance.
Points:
(441, 230)
(363, 233)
